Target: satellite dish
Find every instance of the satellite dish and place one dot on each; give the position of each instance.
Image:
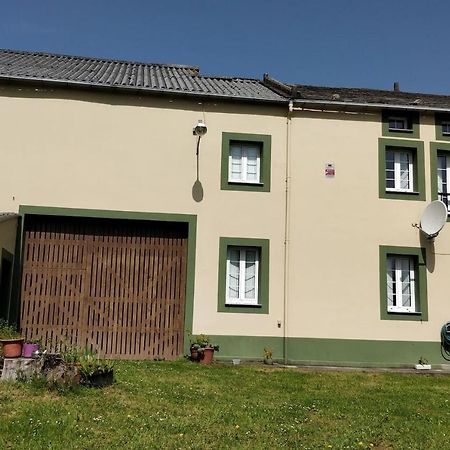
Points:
(433, 218)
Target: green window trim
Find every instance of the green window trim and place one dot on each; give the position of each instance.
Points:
(421, 289)
(265, 162)
(411, 116)
(435, 148)
(438, 119)
(419, 169)
(263, 285)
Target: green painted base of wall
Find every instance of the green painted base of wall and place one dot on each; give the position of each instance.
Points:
(331, 352)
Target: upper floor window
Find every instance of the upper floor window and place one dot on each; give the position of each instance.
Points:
(442, 123)
(440, 172)
(445, 128)
(443, 177)
(400, 123)
(246, 161)
(401, 169)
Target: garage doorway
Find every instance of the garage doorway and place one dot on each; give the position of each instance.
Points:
(114, 285)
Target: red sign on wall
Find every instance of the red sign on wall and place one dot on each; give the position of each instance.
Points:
(330, 171)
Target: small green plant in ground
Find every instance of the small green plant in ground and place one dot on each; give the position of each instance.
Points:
(90, 365)
(268, 353)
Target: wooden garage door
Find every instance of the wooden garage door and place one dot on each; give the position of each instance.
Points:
(116, 286)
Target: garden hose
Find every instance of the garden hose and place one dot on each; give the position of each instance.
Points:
(445, 341)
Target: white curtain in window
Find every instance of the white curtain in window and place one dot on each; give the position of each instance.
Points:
(390, 281)
(250, 274)
(404, 170)
(252, 163)
(405, 281)
(233, 273)
(236, 162)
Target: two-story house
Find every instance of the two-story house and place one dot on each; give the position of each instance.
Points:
(288, 224)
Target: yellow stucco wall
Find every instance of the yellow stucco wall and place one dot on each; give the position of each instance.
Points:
(119, 152)
(337, 227)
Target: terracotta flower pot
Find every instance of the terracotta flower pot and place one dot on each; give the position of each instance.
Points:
(208, 355)
(195, 355)
(12, 348)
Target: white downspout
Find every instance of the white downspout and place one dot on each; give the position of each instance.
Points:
(286, 231)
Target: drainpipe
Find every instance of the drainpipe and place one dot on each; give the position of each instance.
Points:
(286, 231)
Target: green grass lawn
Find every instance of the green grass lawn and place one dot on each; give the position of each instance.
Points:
(186, 406)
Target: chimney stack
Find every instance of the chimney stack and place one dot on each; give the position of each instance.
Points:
(396, 86)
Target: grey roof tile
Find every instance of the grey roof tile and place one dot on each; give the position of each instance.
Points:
(170, 78)
(368, 97)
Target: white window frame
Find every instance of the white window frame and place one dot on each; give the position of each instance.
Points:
(403, 119)
(445, 126)
(447, 176)
(397, 172)
(398, 291)
(244, 160)
(242, 300)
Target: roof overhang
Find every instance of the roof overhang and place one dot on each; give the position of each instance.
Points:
(366, 107)
(44, 82)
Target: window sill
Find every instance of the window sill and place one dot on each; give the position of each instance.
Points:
(244, 305)
(402, 192)
(400, 130)
(409, 313)
(245, 183)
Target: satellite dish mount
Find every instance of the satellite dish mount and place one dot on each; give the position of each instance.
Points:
(433, 219)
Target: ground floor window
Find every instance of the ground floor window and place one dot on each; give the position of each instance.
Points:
(403, 283)
(243, 275)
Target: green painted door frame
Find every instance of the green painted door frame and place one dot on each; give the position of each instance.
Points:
(190, 220)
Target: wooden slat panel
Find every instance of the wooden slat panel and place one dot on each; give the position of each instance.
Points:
(115, 286)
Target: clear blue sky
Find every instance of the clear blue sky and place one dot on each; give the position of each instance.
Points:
(354, 43)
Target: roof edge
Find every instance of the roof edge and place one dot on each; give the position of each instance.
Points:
(132, 89)
(377, 106)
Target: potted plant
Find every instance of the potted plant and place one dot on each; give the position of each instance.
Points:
(11, 340)
(30, 346)
(268, 355)
(423, 364)
(195, 352)
(96, 372)
(202, 350)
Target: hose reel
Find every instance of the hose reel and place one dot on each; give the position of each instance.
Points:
(445, 341)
